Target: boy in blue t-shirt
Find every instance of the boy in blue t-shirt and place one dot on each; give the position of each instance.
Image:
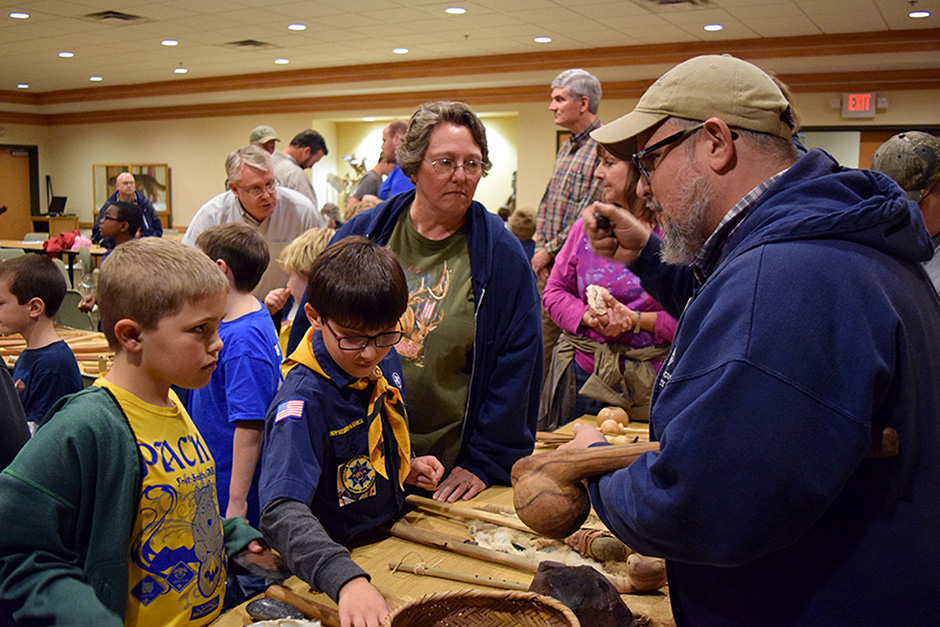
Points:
(229, 412)
(31, 291)
(337, 450)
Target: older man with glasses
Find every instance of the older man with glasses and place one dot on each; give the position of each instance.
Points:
(798, 413)
(253, 197)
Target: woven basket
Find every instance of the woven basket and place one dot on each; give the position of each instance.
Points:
(482, 608)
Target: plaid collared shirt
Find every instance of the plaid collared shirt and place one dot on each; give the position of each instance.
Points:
(571, 188)
(707, 258)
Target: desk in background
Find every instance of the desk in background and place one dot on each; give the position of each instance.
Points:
(54, 225)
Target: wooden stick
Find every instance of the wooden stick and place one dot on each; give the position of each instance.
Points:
(309, 608)
(435, 539)
(101, 347)
(466, 511)
(551, 437)
(419, 569)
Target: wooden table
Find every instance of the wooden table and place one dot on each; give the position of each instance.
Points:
(89, 347)
(37, 247)
(374, 558)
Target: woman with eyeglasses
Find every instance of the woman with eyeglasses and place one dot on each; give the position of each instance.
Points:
(471, 354)
(607, 358)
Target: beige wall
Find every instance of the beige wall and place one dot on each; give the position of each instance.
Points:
(522, 137)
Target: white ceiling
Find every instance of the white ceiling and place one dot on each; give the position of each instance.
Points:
(356, 32)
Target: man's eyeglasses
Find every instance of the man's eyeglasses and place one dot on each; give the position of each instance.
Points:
(645, 160)
(471, 167)
(359, 342)
(259, 190)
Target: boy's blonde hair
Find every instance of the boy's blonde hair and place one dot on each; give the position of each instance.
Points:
(148, 279)
(299, 255)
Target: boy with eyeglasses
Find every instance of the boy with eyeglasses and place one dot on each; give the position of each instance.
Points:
(336, 437)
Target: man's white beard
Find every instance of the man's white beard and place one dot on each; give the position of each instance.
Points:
(683, 240)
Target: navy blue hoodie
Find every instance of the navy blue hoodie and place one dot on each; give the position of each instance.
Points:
(817, 329)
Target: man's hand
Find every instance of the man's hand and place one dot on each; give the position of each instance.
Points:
(426, 471)
(87, 303)
(584, 436)
(276, 299)
(361, 605)
(541, 261)
(623, 240)
(459, 484)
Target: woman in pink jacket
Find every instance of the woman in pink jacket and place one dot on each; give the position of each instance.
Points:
(610, 358)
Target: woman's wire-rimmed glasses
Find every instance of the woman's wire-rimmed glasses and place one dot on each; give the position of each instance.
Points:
(471, 167)
(359, 342)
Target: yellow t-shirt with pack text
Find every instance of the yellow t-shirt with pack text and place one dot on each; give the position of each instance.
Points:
(176, 566)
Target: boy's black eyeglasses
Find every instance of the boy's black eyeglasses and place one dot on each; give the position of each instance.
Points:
(359, 342)
(471, 167)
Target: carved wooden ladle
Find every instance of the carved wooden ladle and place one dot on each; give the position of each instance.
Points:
(548, 492)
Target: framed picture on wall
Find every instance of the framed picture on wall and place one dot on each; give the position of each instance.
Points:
(151, 179)
(560, 138)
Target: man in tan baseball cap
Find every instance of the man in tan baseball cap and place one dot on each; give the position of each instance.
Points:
(798, 412)
(265, 137)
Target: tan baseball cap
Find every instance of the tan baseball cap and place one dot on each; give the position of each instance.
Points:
(262, 134)
(721, 86)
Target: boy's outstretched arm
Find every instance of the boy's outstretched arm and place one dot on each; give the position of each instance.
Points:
(291, 528)
(246, 448)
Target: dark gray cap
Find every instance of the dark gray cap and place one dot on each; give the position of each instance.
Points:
(912, 159)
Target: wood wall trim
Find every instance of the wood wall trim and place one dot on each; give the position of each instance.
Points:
(15, 117)
(836, 82)
(878, 42)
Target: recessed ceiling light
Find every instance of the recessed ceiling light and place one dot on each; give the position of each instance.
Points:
(296, 27)
(65, 54)
(712, 28)
(282, 61)
(455, 10)
(23, 86)
(400, 50)
(180, 70)
(169, 42)
(368, 118)
(19, 15)
(918, 14)
(543, 40)
(95, 79)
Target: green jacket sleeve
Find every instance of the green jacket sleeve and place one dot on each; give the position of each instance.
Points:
(66, 505)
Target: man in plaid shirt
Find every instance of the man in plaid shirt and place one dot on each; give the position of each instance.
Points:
(576, 96)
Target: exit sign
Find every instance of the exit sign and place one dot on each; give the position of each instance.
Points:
(861, 105)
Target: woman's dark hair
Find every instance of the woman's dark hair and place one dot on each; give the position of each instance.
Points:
(414, 143)
(359, 284)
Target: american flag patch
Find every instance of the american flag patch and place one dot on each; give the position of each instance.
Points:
(289, 409)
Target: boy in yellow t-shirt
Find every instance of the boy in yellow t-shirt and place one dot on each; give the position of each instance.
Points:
(109, 514)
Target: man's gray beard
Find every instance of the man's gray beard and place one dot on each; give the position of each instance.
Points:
(681, 242)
